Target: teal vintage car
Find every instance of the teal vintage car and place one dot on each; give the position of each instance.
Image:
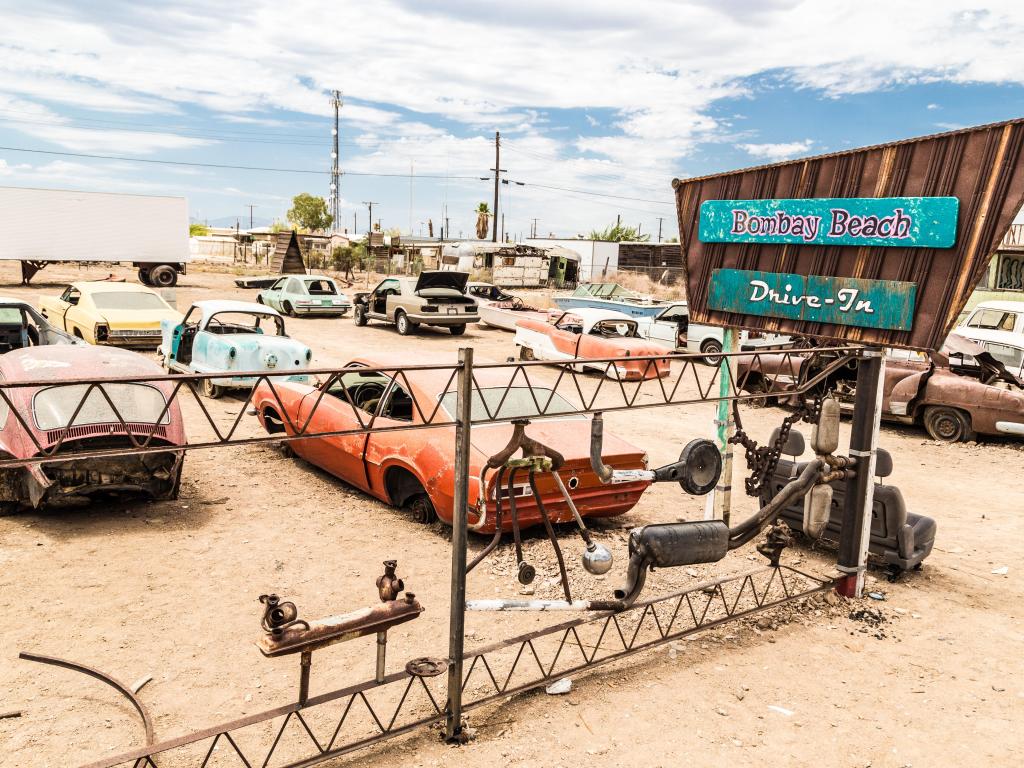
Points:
(306, 295)
(231, 338)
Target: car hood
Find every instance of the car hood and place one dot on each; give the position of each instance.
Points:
(438, 279)
(138, 318)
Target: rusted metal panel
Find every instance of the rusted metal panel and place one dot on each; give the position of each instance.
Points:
(982, 167)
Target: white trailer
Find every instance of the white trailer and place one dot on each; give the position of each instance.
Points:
(42, 226)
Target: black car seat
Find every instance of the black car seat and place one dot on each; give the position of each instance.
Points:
(900, 539)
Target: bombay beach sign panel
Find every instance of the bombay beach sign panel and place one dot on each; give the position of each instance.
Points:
(922, 222)
(881, 245)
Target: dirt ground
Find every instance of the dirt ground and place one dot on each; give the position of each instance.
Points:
(170, 589)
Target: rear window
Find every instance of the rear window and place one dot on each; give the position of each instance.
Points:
(518, 403)
(10, 315)
(54, 407)
(122, 300)
(321, 288)
(993, 320)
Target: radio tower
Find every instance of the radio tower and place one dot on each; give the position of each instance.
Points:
(335, 197)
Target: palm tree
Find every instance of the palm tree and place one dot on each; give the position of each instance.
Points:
(616, 233)
(483, 215)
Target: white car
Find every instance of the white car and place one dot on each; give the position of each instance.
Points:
(1006, 316)
(672, 328)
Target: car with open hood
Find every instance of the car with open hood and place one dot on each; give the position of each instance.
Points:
(587, 336)
(107, 312)
(49, 417)
(415, 469)
(234, 339)
(957, 393)
(501, 309)
(306, 295)
(433, 298)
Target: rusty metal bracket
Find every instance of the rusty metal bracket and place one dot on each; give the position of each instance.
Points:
(114, 683)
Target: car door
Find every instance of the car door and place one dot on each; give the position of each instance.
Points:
(336, 411)
(64, 305)
(669, 327)
(272, 297)
(377, 301)
(565, 335)
(396, 409)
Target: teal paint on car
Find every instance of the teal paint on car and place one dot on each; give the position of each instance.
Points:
(814, 298)
(306, 295)
(898, 222)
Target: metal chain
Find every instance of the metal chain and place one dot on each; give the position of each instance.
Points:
(763, 459)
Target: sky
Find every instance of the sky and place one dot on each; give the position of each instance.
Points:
(599, 104)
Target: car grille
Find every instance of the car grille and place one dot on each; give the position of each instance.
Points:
(101, 430)
(154, 334)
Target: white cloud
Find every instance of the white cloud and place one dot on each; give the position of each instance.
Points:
(775, 152)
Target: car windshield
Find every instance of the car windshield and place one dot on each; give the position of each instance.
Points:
(127, 300)
(54, 407)
(10, 315)
(518, 403)
(245, 322)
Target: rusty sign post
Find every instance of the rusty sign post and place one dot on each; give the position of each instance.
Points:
(460, 524)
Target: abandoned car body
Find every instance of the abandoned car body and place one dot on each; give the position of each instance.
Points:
(313, 295)
(232, 337)
(22, 326)
(955, 394)
(433, 298)
(592, 334)
(52, 420)
(500, 309)
(104, 312)
(415, 470)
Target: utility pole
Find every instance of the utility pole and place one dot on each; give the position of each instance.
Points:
(355, 228)
(250, 206)
(369, 222)
(498, 170)
(533, 228)
(411, 173)
(335, 198)
(660, 219)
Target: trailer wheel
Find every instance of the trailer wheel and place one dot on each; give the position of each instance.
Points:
(144, 277)
(163, 276)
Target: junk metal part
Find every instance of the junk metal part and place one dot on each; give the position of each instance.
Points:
(779, 537)
(278, 616)
(388, 584)
(697, 471)
(114, 683)
(426, 666)
(762, 460)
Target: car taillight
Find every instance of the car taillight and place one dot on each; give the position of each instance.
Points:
(471, 308)
(428, 308)
(102, 332)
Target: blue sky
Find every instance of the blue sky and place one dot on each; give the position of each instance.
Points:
(600, 104)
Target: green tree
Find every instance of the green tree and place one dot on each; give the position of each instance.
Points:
(483, 215)
(618, 233)
(309, 213)
(198, 230)
(347, 258)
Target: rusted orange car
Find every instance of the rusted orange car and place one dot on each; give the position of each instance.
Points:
(585, 336)
(415, 469)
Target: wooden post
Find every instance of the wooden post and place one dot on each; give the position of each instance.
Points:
(720, 506)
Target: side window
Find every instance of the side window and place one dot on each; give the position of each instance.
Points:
(398, 405)
(1011, 357)
(989, 319)
(279, 285)
(571, 323)
(363, 388)
(71, 295)
(1009, 322)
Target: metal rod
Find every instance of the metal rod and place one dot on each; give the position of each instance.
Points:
(722, 496)
(460, 523)
(860, 489)
(536, 605)
(382, 646)
(305, 663)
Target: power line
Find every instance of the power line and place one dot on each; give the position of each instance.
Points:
(595, 194)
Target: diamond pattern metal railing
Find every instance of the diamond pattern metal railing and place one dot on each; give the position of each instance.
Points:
(492, 673)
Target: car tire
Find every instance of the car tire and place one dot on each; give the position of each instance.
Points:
(457, 330)
(210, 389)
(359, 315)
(526, 353)
(144, 276)
(288, 309)
(403, 325)
(948, 425)
(755, 388)
(712, 351)
(420, 509)
(163, 276)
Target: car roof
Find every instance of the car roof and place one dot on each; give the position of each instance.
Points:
(1006, 306)
(54, 362)
(313, 277)
(210, 307)
(109, 286)
(591, 316)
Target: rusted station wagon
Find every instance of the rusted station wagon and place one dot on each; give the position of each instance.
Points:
(955, 394)
(416, 469)
(587, 334)
(51, 417)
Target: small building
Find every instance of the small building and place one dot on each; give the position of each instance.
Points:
(287, 256)
(598, 259)
(509, 265)
(1006, 270)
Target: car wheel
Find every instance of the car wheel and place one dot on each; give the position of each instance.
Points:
(144, 276)
(359, 315)
(948, 425)
(211, 390)
(755, 388)
(288, 309)
(525, 353)
(712, 350)
(163, 276)
(259, 300)
(402, 323)
(457, 330)
(420, 509)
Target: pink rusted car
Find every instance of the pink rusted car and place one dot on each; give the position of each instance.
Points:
(415, 469)
(36, 419)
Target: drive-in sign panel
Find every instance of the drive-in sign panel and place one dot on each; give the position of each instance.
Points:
(923, 222)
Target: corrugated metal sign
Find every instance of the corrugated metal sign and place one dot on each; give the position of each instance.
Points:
(980, 168)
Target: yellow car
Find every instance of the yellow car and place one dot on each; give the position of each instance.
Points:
(103, 312)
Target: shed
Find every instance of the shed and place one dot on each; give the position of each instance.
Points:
(287, 257)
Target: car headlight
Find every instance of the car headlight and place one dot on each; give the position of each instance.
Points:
(270, 360)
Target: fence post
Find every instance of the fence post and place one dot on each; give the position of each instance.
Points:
(720, 506)
(860, 489)
(457, 622)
